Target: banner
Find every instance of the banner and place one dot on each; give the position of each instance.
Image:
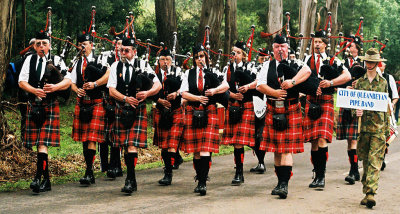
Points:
(359, 99)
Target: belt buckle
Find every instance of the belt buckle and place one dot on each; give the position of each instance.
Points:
(279, 104)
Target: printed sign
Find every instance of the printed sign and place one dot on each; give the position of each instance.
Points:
(359, 99)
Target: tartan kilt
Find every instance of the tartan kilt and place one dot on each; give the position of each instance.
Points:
(221, 116)
(201, 139)
(323, 126)
(290, 140)
(137, 134)
(243, 132)
(346, 131)
(49, 133)
(168, 138)
(94, 131)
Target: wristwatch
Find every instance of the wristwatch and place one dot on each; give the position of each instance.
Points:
(123, 100)
(331, 83)
(293, 82)
(95, 84)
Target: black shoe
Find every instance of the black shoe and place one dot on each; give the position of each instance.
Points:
(166, 180)
(118, 172)
(259, 169)
(282, 190)
(238, 179)
(202, 189)
(196, 190)
(353, 177)
(275, 190)
(45, 185)
(112, 173)
(87, 179)
(177, 162)
(130, 186)
(383, 166)
(35, 185)
(318, 182)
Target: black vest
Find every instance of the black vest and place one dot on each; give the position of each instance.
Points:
(129, 91)
(347, 65)
(272, 81)
(325, 91)
(192, 80)
(95, 93)
(386, 76)
(248, 96)
(34, 81)
(175, 104)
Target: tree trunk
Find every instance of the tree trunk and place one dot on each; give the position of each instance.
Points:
(165, 21)
(23, 23)
(212, 12)
(308, 9)
(332, 6)
(7, 21)
(274, 18)
(230, 26)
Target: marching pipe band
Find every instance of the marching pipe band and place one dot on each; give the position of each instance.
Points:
(255, 104)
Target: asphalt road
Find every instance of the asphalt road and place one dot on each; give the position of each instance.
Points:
(251, 197)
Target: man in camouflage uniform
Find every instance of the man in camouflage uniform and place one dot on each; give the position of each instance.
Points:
(374, 129)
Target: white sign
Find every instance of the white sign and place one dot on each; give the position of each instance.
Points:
(365, 100)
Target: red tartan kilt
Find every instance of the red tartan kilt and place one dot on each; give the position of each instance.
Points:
(323, 126)
(168, 138)
(290, 140)
(136, 135)
(94, 131)
(49, 133)
(203, 139)
(221, 117)
(242, 133)
(346, 131)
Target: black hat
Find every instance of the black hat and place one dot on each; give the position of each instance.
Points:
(165, 52)
(41, 35)
(280, 39)
(264, 51)
(241, 45)
(320, 34)
(84, 37)
(129, 42)
(197, 48)
(356, 39)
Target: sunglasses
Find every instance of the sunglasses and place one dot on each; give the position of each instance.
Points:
(125, 50)
(200, 56)
(44, 43)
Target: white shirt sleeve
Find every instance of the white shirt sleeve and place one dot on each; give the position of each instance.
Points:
(185, 83)
(112, 79)
(263, 74)
(392, 85)
(24, 75)
(73, 74)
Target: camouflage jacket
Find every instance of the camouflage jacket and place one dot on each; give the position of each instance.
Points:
(374, 121)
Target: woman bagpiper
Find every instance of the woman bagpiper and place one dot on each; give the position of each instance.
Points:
(168, 120)
(240, 123)
(201, 136)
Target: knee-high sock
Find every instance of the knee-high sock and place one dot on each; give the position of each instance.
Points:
(323, 152)
(130, 161)
(104, 150)
(353, 159)
(204, 169)
(239, 157)
(286, 173)
(39, 164)
(89, 158)
(46, 167)
(260, 155)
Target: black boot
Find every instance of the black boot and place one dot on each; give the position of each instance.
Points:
(196, 166)
(354, 174)
(278, 174)
(88, 178)
(203, 172)
(320, 170)
(260, 168)
(315, 161)
(104, 164)
(35, 184)
(130, 181)
(167, 157)
(178, 160)
(285, 174)
(45, 185)
(112, 169)
(239, 155)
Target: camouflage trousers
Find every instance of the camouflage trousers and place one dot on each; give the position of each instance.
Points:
(371, 149)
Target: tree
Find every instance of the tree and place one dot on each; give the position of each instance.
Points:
(307, 20)
(212, 12)
(230, 25)
(332, 6)
(7, 22)
(165, 21)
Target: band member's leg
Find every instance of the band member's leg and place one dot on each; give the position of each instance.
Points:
(319, 157)
(168, 156)
(283, 169)
(89, 152)
(131, 156)
(354, 175)
(238, 157)
(42, 159)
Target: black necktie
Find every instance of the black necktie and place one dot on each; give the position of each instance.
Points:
(39, 69)
(127, 74)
